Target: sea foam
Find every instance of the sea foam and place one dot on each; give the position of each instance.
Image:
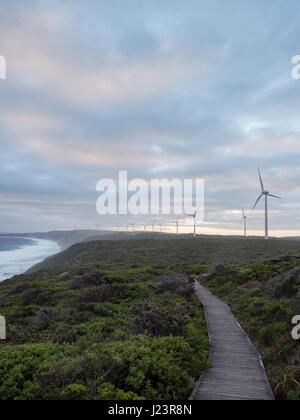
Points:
(18, 261)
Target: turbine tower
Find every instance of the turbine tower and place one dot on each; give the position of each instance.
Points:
(194, 216)
(244, 219)
(177, 224)
(153, 225)
(132, 225)
(266, 194)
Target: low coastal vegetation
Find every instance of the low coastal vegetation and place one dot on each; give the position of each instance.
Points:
(176, 252)
(109, 320)
(116, 333)
(265, 297)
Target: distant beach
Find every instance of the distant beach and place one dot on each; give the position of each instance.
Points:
(18, 254)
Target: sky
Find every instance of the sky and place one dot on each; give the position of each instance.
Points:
(195, 89)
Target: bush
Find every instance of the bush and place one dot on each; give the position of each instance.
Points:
(270, 334)
(227, 288)
(64, 334)
(84, 370)
(97, 294)
(20, 366)
(36, 296)
(107, 391)
(294, 395)
(88, 279)
(74, 392)
(176, 284)
(160, 321)
(197, 269)
(158, 368)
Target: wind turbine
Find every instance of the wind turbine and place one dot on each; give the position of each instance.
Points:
(153, 225)
(266, 194)
(145, 227)
(133, 226)
(194, 215)
(244, 219)
(177, 224)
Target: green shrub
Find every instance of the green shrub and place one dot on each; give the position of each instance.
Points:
(158, 321)
(158, 368)
(270, 334)
(294, 395)
(197, 269)
(20, 366)
(256, 292)
(74, 392)
(107, 391)
(226, 288)
(82, 369)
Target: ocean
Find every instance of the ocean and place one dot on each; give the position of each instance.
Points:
(18, 254)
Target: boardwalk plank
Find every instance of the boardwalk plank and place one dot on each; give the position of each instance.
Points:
(238, 372)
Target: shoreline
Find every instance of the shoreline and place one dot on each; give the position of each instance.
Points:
(21, 259)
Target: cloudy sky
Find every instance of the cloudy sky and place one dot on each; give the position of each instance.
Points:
(201, 88)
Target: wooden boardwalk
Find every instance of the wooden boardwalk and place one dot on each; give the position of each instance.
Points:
(238, 372)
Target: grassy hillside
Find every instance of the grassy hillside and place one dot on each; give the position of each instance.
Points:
(173, 252)
(265, 297)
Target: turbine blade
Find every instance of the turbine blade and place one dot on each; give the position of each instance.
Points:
(243, 212)
(261, 181)
(274, 196)
(257, 201)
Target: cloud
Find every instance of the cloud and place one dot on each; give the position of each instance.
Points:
(171, 90)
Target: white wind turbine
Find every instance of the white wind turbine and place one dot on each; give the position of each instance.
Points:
(194, 216)
(177, 224)
(153, 225)
(266, 194)
(244, 219)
